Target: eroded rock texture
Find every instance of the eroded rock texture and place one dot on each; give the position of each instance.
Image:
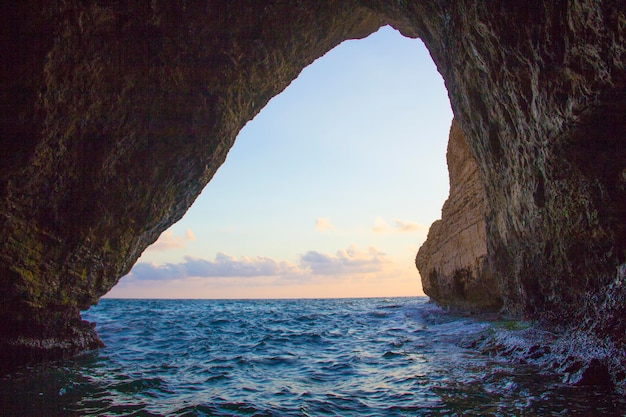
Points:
(453, 261)
(536, 90)
(116, 114)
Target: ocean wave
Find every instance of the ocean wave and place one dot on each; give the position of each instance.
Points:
(348, 357)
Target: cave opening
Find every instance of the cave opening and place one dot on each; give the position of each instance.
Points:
(328, 192)
(117, 133)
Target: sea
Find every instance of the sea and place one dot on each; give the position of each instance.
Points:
(306, 357)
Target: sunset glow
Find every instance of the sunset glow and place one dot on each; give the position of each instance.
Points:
(328, 192)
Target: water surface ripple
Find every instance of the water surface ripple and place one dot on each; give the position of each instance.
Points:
(341, 357)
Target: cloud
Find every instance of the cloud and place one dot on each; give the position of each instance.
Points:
(348, 261)
(380, 225)
(322, 224)
(223, 266)
(352, 272)
(168, 241)
(399, 226)
(151, 271)
(311, 264)
(407, 226)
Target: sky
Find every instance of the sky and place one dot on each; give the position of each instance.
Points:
(328, 192)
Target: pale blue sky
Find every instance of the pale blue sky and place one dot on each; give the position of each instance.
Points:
(328, 192)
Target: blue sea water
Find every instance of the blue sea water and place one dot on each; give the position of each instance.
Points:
(331, 357)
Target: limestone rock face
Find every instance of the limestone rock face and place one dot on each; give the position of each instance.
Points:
(116, 114)
(453, 261)
(537, 91)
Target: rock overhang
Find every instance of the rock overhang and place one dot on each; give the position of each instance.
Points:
(114, 124)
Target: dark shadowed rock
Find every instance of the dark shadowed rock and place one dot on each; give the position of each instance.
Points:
(116, 115)
(592, 373)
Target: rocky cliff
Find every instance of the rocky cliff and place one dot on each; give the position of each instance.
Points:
(116, 114)
(453, 261)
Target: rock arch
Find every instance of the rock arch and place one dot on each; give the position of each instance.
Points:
(116, 115)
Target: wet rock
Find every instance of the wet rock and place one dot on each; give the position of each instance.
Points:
(592, 373)
(577, 358)
(537, 351)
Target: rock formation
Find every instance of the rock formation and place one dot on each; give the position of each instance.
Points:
(453, 261)
(116, 114)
